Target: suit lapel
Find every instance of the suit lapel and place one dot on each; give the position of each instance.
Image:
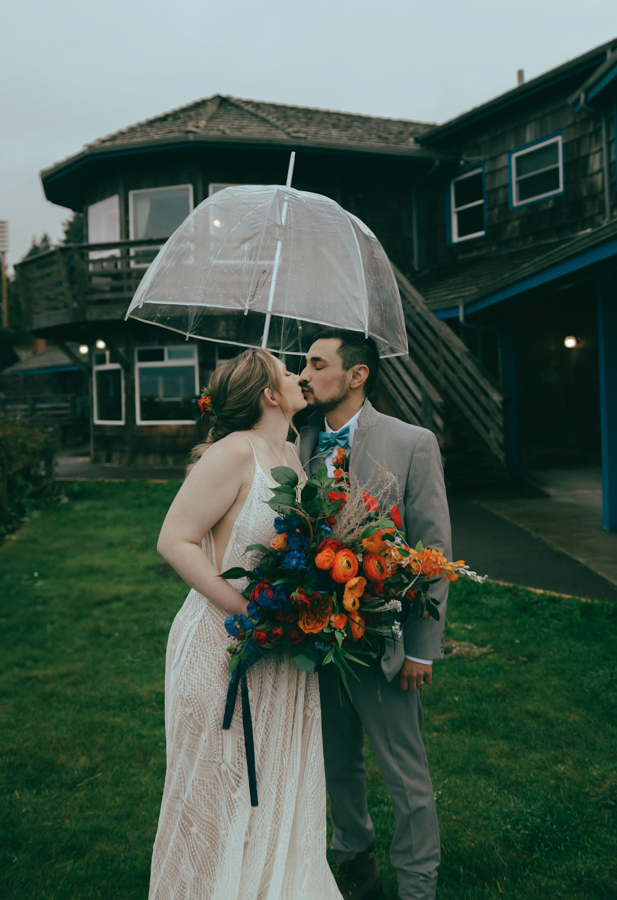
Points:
(359, 462)
(309, 444)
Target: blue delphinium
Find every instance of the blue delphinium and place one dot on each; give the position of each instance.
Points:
(294, 560)
(284, 524)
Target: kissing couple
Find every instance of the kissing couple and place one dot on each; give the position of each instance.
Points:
(211, 844)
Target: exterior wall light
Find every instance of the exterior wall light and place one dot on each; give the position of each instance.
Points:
(217, 223)
(101, 345)
(83, 349)
(571, 341)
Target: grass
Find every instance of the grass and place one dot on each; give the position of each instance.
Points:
(521, 740)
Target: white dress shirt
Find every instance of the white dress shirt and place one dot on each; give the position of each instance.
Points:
(353, 424)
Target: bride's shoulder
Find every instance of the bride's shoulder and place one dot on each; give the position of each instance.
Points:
(236, 447)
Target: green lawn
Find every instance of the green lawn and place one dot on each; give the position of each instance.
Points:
(521, 740)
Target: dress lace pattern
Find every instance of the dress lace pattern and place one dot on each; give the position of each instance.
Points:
(211, 844)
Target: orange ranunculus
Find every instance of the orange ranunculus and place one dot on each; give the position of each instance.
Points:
(338, 621)
(356, 621)
(375, 567)
(325, 559)
(279, 542)
(375, 542)
(345, 566)
(353, 591)
(311, 621)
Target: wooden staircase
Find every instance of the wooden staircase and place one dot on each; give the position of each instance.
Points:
(441, 386)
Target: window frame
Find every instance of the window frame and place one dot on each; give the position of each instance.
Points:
(135, 264)
(106, 366)
(556, 137)
(165, 362)
(452, 210)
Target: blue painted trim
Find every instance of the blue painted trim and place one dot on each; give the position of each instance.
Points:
(48, 371)
(607, 339)
(615, 138)
(511, 185)
(552, 273)
(463, 171)
(602, 83)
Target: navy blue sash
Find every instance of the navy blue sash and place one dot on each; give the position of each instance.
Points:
(238, 676)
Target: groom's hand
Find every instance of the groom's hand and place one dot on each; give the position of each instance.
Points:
(413, 675)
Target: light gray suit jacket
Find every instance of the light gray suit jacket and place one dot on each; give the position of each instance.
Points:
(412, 454)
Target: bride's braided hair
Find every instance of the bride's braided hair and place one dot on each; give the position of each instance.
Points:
(236, 388)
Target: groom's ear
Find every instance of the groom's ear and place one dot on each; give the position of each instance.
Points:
(358, 374)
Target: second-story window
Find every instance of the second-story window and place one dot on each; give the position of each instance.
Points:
(104, 226)
(536, 171)
(467, 206)
(156, 213)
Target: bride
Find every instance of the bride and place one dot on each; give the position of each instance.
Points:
(211, 844)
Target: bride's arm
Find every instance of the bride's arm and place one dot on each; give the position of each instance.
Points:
(207, 494)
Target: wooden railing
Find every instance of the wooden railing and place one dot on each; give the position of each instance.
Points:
(440, 372)
(50, 409)
(82, 282)
(410, 393)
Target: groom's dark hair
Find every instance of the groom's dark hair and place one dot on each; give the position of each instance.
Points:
(355, 350)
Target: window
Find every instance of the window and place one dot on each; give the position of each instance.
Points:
(536, 171)
(156, 213)
(166, 381)
(467, 206)
(104, 226)
(217, 186)
(108, 386)
(225, 352)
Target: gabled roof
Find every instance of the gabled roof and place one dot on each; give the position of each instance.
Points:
(599, 81)
(582, 65)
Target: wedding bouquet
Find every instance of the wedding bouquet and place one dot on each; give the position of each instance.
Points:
(334, 574)
(328, 585)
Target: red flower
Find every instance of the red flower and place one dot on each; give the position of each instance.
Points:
(260, 636)
(281, 617)
(205, 405)
(377, 587)
(411, 594)
(262, 588)
(330, 520)
(300, 597)
(277, 634)
(331, 545)
(333, 496)
(295, 634)
(395, 515)
(370, 502)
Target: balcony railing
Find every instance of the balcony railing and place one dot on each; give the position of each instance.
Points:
(82, 282)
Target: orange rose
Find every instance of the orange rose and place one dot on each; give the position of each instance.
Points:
(375, 542)
(345, 566)
(311, 621)
(353, 591)
(279, 542)
(338, 621)
(356, 620)
(325, 559)
(375, 567)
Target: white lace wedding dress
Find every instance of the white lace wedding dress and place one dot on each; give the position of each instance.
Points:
(211, 844)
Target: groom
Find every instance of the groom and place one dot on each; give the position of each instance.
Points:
(341, 370)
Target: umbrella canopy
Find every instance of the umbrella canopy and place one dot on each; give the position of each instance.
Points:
(268, 266)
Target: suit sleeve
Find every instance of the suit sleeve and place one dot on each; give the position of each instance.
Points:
(427, 519)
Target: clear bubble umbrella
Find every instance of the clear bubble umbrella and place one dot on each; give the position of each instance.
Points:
(269, 266)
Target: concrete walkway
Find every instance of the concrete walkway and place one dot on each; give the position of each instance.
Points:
(568, 517)
(502, 534)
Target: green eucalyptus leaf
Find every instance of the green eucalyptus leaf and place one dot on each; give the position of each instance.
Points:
(283, 475)
(236, 572)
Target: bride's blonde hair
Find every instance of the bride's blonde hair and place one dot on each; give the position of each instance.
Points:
(236, 388)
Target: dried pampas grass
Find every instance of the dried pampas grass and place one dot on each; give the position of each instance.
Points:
(351, 518)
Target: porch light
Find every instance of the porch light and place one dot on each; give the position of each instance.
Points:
(101, 345)
(570, 341)
(83, 349)
(217, 223)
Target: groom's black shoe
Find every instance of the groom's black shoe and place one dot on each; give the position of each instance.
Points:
(359, 879)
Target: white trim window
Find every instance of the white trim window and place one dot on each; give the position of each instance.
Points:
(166, 381)
(537, 171)
(108, 390)
(215, 186)
(156, 213)
(104, 226)
(467, 205)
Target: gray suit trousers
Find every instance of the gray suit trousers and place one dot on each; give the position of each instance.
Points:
(392, 720)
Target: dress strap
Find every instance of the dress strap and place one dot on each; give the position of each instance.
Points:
(253, 449)
(297, 457)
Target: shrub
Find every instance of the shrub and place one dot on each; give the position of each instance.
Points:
(27, 454)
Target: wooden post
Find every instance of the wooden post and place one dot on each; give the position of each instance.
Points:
(5, 297)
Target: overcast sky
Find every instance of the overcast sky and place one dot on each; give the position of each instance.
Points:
(74, 70)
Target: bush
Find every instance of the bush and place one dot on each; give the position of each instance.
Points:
(27, 454)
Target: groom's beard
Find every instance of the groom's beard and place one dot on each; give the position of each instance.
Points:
(329, 405)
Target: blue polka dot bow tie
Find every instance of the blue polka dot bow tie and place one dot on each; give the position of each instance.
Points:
(329, 440)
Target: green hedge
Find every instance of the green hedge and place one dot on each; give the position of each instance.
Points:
(27, 454)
